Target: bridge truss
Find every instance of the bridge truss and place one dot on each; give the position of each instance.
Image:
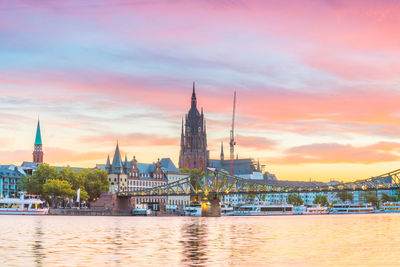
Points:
(221, 183)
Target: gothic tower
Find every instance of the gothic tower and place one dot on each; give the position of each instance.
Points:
(193, 152)
(37, 150)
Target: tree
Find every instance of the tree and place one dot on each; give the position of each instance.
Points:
(84, 195)
(386, 198)
(321, 199)
(34, 184)
(58, 188)
(344, 196)
(95, 182)
(371, 198)
(295, 199)
(77, 179)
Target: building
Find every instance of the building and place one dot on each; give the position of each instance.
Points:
(10, 176)
(37, 149)
(193, 147)
(130, 175)
(173, 175)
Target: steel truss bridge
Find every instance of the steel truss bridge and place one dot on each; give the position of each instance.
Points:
(221, 183)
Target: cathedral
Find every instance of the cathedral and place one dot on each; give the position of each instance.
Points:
(193, 152)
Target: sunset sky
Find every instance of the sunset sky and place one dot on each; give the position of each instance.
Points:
(318, 82)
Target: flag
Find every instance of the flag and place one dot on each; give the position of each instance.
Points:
(78, 195)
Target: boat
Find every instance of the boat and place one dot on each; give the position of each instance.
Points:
(316, 209)
(193, 210)
(25, 205)
(226, 210)
(390, 207)
(141, 210)
(350, 208)
(263, 210)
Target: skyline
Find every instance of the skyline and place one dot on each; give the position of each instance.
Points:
(314, 101)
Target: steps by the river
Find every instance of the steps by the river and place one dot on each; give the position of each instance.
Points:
(106, 202)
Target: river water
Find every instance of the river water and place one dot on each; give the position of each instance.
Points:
(318, 240)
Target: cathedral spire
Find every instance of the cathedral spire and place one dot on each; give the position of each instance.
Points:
(194, 99)
(116, 163)
(222, 151)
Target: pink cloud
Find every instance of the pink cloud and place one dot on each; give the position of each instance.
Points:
(338, 153)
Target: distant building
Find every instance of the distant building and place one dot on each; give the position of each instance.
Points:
(38, 150)
(130, 175)
(174, 175)
(193, 150)
(10, 176)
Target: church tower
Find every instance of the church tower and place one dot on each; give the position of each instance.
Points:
(37, 150)
(193, 152)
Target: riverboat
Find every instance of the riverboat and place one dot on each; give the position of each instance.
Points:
(349, 208)
(25, 205)
(316, 209)
(263, 210)
(226, 210)
(390, 207)
(192, 210)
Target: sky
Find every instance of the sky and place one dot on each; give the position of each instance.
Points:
(318, 84)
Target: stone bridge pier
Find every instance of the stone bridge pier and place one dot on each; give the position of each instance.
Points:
(211, 207)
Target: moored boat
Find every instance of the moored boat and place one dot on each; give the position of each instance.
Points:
(350, 208)
(25, 205)
(226, 210)
(316, 209)
(192, 210)
(389, 207)
(263, 210)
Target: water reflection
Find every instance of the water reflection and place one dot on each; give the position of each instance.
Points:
(117, 244)
(194, 242)
(339, 240)
(37, 245)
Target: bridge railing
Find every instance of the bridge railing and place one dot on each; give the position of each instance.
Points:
(222, 183)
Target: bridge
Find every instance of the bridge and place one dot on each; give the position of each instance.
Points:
(209, 185)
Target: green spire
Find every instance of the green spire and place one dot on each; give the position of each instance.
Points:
(38, 140)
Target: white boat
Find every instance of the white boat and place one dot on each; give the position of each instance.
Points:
(192, 210)
(226, 210)
(141, 210)
(25, 205)
(263, 210)
(316, 209)
(349, 208)
(390, 207)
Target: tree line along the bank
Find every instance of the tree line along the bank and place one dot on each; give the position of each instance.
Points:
(51, 183)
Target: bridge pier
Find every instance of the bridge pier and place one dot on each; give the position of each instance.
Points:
(211, 208)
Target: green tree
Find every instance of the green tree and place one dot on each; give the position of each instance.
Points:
(84, 195)
(344, 196)
(95, 182)
(371, 198)
(386, 198)
(295, 199)
(77, 179)
(321, 199)
(34, 184)
(58, 188)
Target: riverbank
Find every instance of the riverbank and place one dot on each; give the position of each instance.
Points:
(90, 212)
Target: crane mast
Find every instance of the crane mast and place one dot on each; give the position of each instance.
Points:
(232, 142)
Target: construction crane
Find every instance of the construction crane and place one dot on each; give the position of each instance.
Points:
(232, 142)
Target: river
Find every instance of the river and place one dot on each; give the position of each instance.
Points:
(317, 240)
